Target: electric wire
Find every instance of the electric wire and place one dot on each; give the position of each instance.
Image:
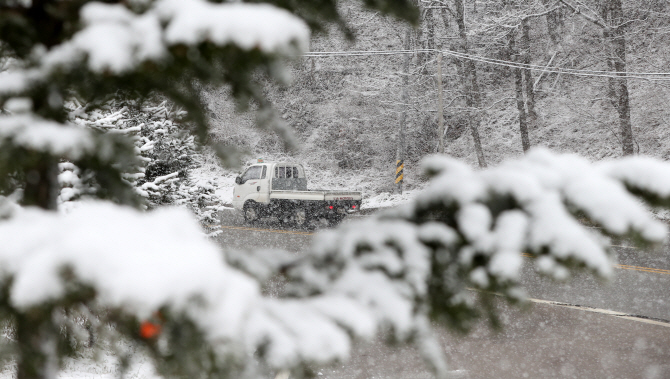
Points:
(650, 76)
(484, 60)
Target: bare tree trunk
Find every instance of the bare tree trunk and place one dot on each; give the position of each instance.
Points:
(611, 82)
(313, 71)
(422, 57)
(430, 40)
(609, 59)
(621, 84)
(612, 25)
(403, 117)
(472, 95)
(527, 75)
(518, 84)
(440, 106)
(430, 29)
(554, 23)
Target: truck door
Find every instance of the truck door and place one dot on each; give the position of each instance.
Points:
(250, 187)
(264, 184)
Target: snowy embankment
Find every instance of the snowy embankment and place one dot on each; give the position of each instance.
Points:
(224, 181)
(104, 367)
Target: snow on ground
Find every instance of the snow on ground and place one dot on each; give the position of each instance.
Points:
(140, 368)
(106, 367)
(210, 171)
(375, 201)
(224, 180)
(386, 200)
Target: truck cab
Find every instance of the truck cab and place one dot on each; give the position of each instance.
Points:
(279, 189)
(257, 181)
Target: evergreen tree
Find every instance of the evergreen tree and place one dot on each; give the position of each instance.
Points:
(109, 277)
(166, 151)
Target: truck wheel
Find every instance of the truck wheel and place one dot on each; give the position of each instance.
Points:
(335, 220)
(300, 218)
(250, 213)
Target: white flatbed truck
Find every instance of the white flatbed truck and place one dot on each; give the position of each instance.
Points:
(279, 189)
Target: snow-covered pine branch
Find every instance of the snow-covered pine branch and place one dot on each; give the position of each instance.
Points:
(468, 231)
(390, 274)
(153, 50)
(166, 157)
(95, 257)
(168, 290)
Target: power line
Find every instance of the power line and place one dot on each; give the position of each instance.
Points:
(359, 53)
(618, 74)
(651, 76)
(637, 75)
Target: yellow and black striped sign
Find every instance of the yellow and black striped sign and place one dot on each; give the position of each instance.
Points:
(399, 166)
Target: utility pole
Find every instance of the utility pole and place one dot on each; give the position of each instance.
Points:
(440, 118)
(400, 161)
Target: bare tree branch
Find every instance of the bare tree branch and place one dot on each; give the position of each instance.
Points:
(577, 9)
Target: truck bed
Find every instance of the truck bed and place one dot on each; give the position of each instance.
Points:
(316, 195)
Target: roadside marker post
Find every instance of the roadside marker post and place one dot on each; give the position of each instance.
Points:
(399, 167)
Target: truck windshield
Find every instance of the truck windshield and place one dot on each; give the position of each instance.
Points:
(253, 172)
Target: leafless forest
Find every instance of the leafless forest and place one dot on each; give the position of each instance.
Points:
(585, 77)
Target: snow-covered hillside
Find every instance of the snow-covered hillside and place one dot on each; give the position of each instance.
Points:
(345, 110)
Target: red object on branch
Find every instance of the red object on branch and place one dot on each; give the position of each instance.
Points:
(149, 330)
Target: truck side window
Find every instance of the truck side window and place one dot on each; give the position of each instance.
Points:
(253, 172)
(280, 172)
(289, 172)
(295, 172)
(265, 171)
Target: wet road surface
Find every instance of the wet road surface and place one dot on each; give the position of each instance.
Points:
(579, 329)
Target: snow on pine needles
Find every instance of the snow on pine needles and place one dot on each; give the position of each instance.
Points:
(391, 273)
